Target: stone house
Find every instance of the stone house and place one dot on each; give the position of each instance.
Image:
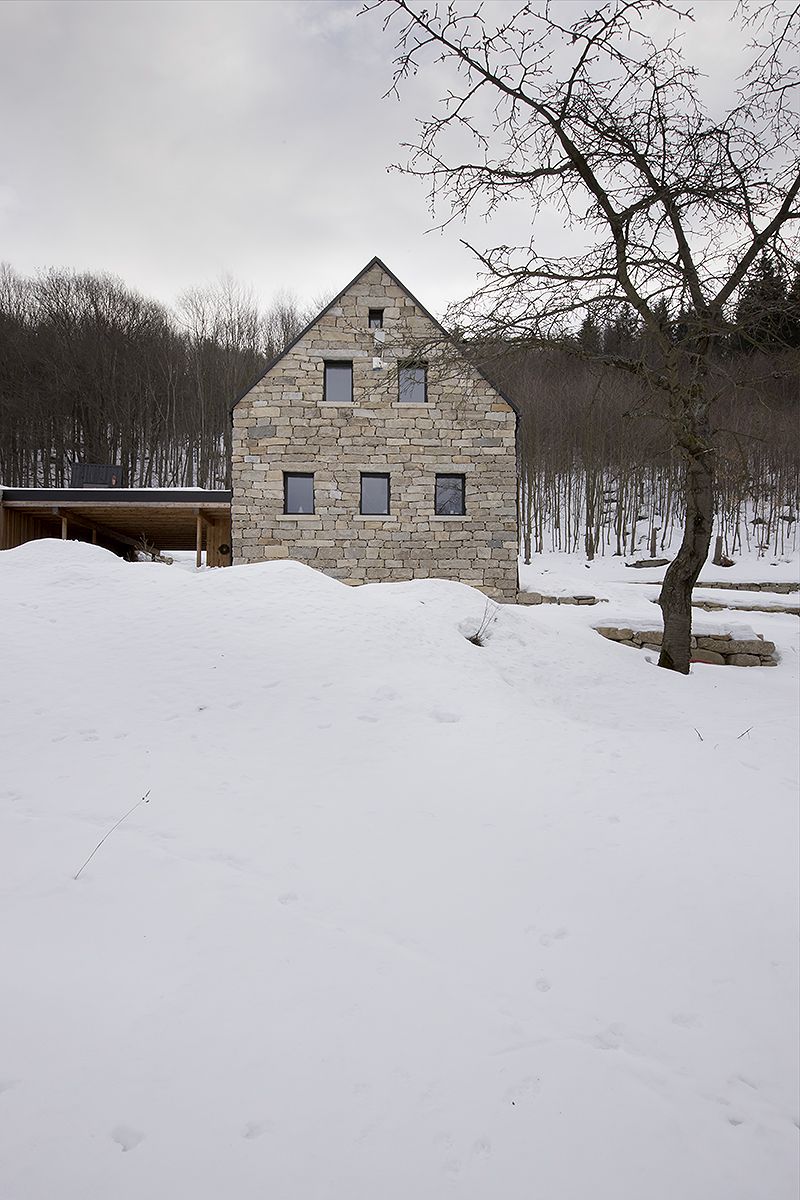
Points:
(371, 450)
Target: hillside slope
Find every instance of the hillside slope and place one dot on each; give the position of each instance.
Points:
(402, 916)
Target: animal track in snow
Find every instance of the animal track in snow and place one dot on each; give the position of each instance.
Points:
(542, 985)
(608, 1039)
(445, 718)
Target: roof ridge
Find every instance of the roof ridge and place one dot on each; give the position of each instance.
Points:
(374, 261)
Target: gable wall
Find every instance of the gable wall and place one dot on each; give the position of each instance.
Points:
(282, 424)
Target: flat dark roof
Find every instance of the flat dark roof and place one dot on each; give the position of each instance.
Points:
(116, 496)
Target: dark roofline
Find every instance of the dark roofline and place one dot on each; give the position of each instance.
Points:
(191, 497)
(373, 262)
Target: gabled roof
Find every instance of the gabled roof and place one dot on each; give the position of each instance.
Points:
(373, 262)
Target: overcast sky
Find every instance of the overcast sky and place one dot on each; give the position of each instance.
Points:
(170, 143)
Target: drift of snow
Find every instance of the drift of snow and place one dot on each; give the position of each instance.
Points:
(403, 916)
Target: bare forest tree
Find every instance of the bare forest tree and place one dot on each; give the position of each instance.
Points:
(599, 116)
(92, 371)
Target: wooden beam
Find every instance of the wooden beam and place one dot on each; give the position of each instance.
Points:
(95, 527)
(199, 535)
(63, 528)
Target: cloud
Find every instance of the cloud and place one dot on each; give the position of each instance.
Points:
(172, 142)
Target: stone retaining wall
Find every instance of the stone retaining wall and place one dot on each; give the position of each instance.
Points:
(541, 598)
(783, 589)
(722, 649)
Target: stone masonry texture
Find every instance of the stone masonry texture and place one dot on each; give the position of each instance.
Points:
(283, 425)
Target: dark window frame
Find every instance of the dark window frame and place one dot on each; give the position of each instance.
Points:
(375, 475)
(412, 364)
(375, 313)
(337, 362)
(450, 475)
(287, 475)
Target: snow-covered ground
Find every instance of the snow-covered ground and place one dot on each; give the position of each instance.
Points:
(561, 573)
(402, 916)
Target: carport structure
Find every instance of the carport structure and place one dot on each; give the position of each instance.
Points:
(120, 519)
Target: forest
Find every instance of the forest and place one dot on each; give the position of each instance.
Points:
(92, 371)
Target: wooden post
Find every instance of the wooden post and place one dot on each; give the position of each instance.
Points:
(94, 536)
(63, 529)
(199, 558)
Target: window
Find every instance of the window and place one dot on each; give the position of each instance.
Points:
(298, 493)
(338, 383)
(376, 318)
(374, 495)
(449, 497)
(413, 378)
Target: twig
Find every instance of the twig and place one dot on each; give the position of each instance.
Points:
(143, 800)
(699, 734)
(741, 735)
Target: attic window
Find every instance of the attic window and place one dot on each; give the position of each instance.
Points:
(376, 318)
(413, 383)
(338, 388)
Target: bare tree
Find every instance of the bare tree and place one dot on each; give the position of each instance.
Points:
(600, 117)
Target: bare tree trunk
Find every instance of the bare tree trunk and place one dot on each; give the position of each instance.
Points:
(676, 592)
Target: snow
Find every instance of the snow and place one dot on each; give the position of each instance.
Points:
(402, 916)
(559, 574)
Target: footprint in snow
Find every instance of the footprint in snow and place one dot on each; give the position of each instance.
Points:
(255, 1129)
(526, 1089)
(446, 718)
(288, 898)
(126, 1137)
(686, 1020)
(547, 939)
(542, 985)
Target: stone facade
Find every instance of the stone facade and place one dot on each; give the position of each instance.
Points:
(283, 425)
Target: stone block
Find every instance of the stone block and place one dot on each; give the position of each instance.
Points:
(708, 656)
(743, 660)
(760, 648)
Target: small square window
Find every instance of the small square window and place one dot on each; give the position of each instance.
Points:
(298, 493)
(374, 495)
(449, 497)
(413, 383)
(338, 383)
(376, 318)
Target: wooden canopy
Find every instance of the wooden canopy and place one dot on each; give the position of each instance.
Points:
(121, 518)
